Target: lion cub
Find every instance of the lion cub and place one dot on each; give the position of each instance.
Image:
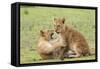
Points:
(75, 40)
(47, 47)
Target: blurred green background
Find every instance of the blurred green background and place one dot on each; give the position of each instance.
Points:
(35, 18)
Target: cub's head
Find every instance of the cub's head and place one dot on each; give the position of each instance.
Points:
(47, 34)
(58, 24)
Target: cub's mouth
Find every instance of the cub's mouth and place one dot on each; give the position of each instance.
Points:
(57, 31)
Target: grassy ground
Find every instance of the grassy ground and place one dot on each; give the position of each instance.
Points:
(33, 19)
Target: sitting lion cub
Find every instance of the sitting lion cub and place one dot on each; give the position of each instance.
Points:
(76, 42)
(49, 48)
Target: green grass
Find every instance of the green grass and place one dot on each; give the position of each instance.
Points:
(33, 19)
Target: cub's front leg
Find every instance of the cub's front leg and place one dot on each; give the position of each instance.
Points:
(59, 52)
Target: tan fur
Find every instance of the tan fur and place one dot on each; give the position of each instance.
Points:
(75, 40)
(47, 48)
(59, 47)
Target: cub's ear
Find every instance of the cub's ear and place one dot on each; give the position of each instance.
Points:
(63, 20)
(42, 32)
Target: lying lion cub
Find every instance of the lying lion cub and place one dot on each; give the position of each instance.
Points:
(49, 48)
